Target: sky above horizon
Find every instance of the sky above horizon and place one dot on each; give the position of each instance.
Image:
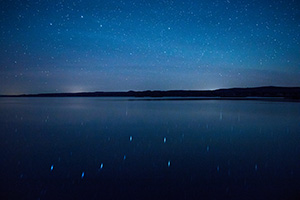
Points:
(73, 46)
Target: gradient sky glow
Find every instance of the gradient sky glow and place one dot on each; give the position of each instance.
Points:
(72, 46)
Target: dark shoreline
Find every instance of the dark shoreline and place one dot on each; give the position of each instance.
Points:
(258, 93)
(268, 99)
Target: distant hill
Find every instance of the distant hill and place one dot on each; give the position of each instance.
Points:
(285, 92)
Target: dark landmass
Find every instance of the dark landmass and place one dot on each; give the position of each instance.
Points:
(283, 92)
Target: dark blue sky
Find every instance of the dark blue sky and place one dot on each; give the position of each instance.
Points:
(71, 46)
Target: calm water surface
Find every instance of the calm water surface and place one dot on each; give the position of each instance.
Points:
(104, 148)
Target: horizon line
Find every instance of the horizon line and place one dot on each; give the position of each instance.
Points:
(145, 91)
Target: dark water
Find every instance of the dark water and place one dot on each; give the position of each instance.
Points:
(93, 148)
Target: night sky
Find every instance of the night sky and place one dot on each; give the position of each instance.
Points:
(72, 46)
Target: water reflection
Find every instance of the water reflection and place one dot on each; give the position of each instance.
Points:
(151, 149)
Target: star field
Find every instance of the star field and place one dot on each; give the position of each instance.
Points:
(72, 46)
